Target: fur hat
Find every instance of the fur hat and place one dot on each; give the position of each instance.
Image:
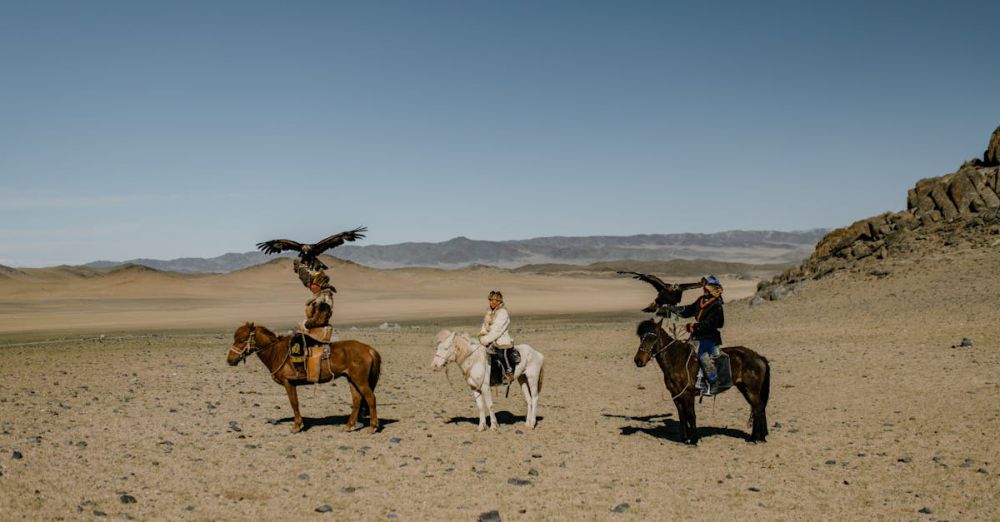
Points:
(495, 294)
(712, 285)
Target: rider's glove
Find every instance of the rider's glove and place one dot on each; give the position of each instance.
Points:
(666, 309)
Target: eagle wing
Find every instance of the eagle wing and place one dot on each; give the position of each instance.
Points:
(338, 239)
(278, 245)
(657, 283)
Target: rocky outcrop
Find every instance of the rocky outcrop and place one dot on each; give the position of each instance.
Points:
(992, 155)
(949, 208)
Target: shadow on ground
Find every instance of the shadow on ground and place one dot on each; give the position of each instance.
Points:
(670, 429)
(503, 417)
(333, 420)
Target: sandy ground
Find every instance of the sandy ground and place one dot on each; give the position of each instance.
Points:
(873, 415)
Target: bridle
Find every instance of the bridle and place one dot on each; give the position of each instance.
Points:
(248, 349)
(652, 354)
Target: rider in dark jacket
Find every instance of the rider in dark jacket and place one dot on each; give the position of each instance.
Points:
(709, 318)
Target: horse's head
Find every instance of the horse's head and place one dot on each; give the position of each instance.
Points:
(244, 344)
(649, 341)
(445, 350)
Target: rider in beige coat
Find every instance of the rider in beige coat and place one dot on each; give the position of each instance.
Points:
(495, 333)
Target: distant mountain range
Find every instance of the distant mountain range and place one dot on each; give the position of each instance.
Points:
(740, 246)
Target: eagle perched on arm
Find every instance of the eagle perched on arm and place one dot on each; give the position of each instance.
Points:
(666, 293)
(308, 252)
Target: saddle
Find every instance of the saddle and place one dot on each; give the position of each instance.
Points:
(497, 367)
(305, 350)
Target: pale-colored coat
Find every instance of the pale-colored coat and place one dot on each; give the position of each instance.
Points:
(496, 328)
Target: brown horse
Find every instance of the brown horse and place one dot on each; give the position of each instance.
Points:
(357, 361)
(751, 375)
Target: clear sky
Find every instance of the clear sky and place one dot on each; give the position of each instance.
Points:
(171, 129)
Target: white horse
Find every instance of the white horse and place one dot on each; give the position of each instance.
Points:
(472, 358)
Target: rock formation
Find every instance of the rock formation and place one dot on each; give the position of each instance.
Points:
(963, 206)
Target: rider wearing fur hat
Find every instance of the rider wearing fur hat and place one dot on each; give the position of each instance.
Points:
(709, 318)
(319, 308)
(495, 333)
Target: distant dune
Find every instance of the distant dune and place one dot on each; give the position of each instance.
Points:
(135, 297)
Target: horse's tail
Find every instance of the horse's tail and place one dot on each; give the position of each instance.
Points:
(765, 387)
(541, 377)
(376, 370)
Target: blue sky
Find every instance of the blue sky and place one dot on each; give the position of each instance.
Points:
(172, 129)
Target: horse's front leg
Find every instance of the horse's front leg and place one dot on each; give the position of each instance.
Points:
(293, 398)
(691, 416)
(482, 412)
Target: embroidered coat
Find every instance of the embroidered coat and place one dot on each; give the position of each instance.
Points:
(708, 316)
(496, 328)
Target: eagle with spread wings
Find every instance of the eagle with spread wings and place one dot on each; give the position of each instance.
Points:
(309, 253)
(666, 293)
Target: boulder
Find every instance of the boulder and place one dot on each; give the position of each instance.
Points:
(992, 154)
(982, 180)
(943, 203)
(962, 192)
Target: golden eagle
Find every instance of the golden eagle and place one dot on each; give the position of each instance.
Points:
(666, 293)
(308, 252)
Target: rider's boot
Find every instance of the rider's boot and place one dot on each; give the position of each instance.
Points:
(710, 383)
(508, 372)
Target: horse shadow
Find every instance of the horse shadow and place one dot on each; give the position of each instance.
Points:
(333, 420)
(670, 429)
(503, 418)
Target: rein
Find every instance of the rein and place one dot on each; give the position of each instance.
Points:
(662, 349)
(454, 354)
(248, 349)
(251, 347)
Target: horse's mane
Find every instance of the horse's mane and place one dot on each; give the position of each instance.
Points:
(442, 336)
(646, 327)
(464, 337)
(250, 325)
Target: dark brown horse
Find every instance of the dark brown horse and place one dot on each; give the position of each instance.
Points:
(751, 375)
(357, 361)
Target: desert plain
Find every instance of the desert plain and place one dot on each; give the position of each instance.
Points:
(116, 401)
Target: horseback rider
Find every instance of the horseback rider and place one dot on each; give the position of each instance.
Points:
(709, 318)
(319, 308)
(495, 335)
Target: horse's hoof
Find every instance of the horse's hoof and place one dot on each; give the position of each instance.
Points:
(373, 430)
(348, 428)
(481, 428)
(296, 429)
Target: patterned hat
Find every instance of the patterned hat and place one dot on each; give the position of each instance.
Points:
(495, 294)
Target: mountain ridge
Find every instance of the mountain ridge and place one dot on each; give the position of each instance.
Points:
(741, 246)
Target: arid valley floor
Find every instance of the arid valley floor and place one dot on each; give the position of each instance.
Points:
(873, 413)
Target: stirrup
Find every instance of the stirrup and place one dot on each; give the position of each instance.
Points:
(508, 377)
